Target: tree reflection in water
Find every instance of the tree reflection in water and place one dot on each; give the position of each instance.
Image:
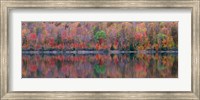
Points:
(100, 66)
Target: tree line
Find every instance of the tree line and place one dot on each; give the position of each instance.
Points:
(126, 36)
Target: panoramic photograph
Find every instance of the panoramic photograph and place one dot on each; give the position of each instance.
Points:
(87, 49)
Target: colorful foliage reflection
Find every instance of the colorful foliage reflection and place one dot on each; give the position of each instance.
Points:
(100, 66)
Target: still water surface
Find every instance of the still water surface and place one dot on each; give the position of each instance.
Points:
(135, 65)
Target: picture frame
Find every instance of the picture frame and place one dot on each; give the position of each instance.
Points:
(7, 5)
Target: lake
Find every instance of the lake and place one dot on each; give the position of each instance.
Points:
(126, 65)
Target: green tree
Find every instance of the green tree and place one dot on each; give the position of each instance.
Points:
(99, 36)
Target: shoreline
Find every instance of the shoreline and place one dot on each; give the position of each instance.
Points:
(97, 52)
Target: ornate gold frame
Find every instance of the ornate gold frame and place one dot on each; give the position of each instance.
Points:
(7, 5)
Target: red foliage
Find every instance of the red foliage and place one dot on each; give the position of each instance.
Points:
(33, 36)
(33, 68)
(140, 68)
